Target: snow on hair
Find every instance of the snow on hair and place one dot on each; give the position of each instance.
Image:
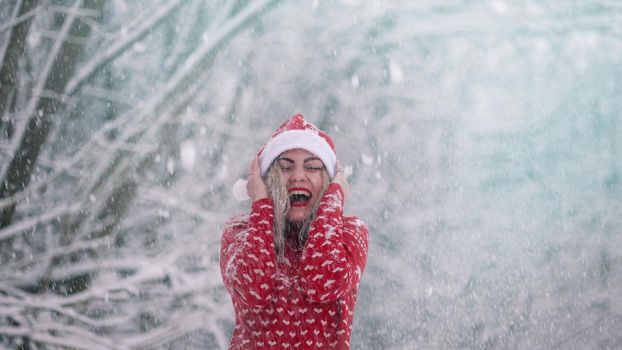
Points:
(281, 226)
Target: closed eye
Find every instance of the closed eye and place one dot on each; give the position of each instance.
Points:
(285, 164)
(312, 165)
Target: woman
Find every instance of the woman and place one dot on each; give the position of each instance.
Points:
(293, 265)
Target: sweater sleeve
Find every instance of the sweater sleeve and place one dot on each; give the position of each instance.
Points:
(247, 255)
(336, 251)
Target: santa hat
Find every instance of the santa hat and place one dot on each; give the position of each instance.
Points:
(298, 133)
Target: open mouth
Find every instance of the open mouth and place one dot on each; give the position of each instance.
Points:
(299, 197)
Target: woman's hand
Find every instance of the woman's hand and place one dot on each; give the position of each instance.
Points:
(340, 178)
(255, 187)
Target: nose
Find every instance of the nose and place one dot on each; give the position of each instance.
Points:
(298, 174)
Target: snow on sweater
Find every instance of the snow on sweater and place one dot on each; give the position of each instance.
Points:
(305, 301)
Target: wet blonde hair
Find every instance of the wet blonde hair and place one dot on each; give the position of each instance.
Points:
(281, 227)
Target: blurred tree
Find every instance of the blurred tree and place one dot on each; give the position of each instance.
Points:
(74, 155)
(14, 175)
(482, 137)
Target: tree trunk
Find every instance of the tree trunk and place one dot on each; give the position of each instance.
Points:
(14, 50)
(40, 121)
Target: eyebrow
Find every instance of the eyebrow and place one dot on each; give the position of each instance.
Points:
(292, 161)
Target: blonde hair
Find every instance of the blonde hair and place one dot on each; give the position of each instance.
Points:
(281, 227)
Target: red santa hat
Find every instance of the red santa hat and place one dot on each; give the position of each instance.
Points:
(298, 133)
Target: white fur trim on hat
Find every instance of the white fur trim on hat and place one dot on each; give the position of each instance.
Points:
(292, 139)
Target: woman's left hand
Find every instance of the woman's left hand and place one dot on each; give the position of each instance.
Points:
(340, 178)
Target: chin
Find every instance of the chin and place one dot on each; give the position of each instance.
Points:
(297, 217)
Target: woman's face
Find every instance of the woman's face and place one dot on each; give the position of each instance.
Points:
(303, 177)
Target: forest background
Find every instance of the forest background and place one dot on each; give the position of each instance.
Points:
(482, 139)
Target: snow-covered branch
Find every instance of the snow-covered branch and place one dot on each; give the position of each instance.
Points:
(31, 223)
(17, 18)
(113, 51)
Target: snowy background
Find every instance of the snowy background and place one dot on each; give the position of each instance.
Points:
(484, 139)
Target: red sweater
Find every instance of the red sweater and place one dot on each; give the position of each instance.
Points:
(305, 301)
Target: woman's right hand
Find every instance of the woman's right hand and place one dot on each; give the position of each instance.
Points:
(255, 187)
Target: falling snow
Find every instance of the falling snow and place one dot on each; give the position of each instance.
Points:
(481, 140)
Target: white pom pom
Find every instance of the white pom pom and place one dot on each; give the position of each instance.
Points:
(239, 190)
